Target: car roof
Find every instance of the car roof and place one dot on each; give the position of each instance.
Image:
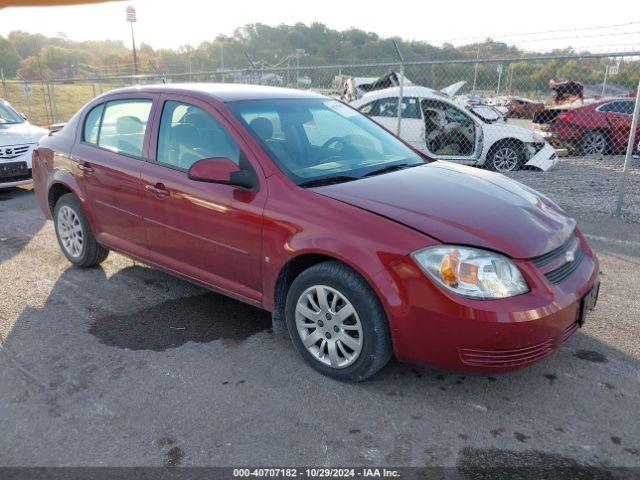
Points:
(407, 91)
(224, 92)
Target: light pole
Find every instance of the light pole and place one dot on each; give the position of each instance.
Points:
(131, 18)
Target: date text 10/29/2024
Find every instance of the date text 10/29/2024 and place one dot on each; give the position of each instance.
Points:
(316, 473)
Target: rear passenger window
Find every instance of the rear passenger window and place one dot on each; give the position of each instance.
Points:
(123, 126)
(626, 106)
(92, 125)
(619, 106)
(188, 134)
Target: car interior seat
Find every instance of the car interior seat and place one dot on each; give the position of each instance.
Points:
(130, 131)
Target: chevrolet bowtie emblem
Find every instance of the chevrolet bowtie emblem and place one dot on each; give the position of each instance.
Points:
(569, 256)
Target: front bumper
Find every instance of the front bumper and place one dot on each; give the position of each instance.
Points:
(432, 326)
(545, 159)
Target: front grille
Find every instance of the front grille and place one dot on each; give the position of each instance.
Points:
(555, 265)
(10, 152)
(558, 275)
(506, 358)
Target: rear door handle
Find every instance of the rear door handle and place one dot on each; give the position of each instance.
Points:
(159, 190)
(85, 168)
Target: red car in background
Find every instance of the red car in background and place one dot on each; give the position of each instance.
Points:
(597, 129)
(301, 205)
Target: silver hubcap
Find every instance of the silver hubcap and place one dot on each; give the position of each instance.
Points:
(505, 159)
(70, 231)
(329, 326)
(594, 144)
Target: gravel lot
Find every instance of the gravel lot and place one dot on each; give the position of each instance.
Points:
(124, 365)
(589, 185)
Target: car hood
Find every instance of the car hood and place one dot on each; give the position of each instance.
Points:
(499, 130)
(20, 133)
(462, 205)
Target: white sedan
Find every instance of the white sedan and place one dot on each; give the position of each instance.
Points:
(17, 140)
(441, 128)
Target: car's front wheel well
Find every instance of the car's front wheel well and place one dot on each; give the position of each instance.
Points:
(508, 142)
(56, 191)
(287, 275)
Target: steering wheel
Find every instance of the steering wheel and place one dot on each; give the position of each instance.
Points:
(331, 141)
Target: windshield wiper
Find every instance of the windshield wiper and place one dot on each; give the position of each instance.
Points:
(318, 182)
(390, 168)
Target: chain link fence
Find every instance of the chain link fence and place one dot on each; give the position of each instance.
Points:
(507, 114)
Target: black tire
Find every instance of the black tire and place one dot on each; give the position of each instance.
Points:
(91, 252)
(494, 159)
(594, 143)
(376, 347)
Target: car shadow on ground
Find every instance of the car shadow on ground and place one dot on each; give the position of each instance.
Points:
(16, 238)
(100, 343)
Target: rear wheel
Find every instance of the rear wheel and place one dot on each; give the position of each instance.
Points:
(337, 323)
(508, 156)
(594, 143)
(74, 235)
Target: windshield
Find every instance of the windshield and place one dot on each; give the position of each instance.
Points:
(8, 114)
(314, 140)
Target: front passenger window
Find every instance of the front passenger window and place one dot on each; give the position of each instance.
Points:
(188, 134)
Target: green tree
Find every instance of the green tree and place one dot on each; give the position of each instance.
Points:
(9, 58)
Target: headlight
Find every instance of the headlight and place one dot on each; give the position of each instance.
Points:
(537, 138)
(472, 272)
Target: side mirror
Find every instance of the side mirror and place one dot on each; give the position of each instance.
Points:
(221, 170)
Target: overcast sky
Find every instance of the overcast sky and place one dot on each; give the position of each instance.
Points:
(166, 23)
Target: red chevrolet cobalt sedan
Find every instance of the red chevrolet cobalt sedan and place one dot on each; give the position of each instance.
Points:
(296, 203)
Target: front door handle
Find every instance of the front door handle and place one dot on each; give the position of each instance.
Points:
(159, 190)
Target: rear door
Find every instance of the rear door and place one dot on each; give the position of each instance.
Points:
(108, 162)
(209, 232)
(385, 112)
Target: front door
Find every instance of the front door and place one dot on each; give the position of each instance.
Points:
(450, 132)
(619, 115)
(209, 232)
(108, 163)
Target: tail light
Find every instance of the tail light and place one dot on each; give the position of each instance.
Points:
(564, 117)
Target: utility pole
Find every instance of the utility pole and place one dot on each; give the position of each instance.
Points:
(475, 70)
(131, 18)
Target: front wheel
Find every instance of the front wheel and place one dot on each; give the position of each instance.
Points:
(337, 323)
(506, 157)
(74, 235)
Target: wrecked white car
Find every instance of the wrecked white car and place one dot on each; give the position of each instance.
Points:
(474, 135)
